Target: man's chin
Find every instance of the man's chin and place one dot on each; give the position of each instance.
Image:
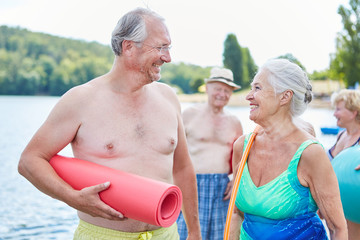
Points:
(155, 78)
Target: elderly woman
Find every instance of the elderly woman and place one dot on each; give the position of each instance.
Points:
(287, 176)
(347, 113)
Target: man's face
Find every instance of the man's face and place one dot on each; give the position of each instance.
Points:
(218, 93)
(154, 51)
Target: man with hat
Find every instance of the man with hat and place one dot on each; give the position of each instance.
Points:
(210, 133)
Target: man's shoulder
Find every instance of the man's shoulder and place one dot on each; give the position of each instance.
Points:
(194, 109)
(80, 95)
(162, 87)
(79, 91)
(231, 116)
(164, 91)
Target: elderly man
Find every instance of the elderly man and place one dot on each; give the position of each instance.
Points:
(124, 120)
(210, 132)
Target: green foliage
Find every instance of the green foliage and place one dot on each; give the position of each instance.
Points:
(320, 75)
(233, 58)
(239, 60)
(250, 67)
(36, 63)
(293, 59)
(345, 63)
(195, 84)
(186, 76)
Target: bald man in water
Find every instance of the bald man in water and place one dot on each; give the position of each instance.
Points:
(210, 132)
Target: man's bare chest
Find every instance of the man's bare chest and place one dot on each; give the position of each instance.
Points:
(124, 132)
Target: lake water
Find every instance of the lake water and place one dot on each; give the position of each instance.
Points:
(25, 212)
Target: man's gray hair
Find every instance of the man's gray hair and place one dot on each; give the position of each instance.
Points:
(132, 27)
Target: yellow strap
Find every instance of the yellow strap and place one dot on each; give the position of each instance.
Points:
(237, 181)
(145, 236)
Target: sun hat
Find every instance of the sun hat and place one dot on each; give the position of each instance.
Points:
(222, 75)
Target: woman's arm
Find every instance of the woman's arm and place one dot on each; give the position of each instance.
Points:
(315, 171)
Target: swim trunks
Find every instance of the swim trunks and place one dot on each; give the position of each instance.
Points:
(212, 208)
(87, 231)
(280, 209)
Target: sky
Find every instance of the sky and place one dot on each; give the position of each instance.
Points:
(198, 28)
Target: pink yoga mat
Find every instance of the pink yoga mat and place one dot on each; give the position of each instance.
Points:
(136, 197)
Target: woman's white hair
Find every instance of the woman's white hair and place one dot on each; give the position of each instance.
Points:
(284, 75)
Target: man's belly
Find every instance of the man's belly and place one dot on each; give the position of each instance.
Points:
(211, 164)
(128, 225)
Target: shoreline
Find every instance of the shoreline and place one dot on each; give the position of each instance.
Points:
(322, 91)
(238, 100)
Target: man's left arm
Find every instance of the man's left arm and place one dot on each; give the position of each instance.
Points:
(238, 130)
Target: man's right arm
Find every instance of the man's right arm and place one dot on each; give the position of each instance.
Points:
(57, 132)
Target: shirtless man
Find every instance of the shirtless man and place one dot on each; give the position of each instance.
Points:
(124, 120)
(210, 132)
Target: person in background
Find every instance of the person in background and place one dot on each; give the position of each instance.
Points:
(347, 113)
(287, 176)
(125, 120)
(210, 132)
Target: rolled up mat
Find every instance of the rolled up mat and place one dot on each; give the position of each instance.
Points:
(144, 199)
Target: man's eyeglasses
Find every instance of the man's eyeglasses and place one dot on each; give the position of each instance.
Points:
(163, 50)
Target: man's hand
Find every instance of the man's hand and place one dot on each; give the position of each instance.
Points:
(88, 201)
(228, 190)
(196, 236)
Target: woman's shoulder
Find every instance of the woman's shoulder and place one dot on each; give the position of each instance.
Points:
(240, 141)
(312, 149)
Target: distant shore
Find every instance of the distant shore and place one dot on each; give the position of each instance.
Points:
(322, 90)
(238, 100)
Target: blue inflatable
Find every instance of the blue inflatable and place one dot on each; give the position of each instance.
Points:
(349, 181)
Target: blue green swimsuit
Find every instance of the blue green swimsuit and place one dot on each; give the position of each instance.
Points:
(280, 209)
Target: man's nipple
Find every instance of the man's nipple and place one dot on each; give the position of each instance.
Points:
(109, 146)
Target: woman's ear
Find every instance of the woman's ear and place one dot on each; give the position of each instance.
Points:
(355, 113)
(286, 97)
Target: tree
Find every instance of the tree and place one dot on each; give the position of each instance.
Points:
(293, 59)
(37, 63)
(196, 83)
(250, 67)
(345, 63)
(233, 58)
(239, 61)
(185, 76)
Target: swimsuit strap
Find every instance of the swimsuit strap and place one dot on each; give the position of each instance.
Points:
(357, 142)
(337, 139)
(340, 134)
(293, 166)
(299, 151)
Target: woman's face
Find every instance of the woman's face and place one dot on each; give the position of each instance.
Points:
(262, 98)
(343, 115)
